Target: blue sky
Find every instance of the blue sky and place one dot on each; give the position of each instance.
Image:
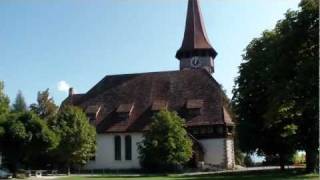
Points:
(44, 42)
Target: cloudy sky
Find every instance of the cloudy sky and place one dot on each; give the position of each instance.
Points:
(58, 44)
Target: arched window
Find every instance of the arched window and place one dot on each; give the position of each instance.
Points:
(117, 148)
(128, 143)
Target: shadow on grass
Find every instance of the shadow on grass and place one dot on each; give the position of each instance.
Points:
(255, 175)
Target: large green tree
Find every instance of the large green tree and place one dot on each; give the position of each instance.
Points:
(4, 107)
(45, 106)
(78, 137)
(4, 100)
(166, 144)
(276, 95)
(19, 103)
(24, 134)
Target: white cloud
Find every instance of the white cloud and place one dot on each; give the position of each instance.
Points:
(63, 86)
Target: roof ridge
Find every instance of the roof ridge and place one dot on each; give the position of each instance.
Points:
(140, 73)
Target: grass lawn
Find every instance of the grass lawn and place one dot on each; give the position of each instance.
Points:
(262, 175)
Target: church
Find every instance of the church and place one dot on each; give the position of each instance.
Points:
(121, 106)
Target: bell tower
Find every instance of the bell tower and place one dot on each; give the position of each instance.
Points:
(195, 51)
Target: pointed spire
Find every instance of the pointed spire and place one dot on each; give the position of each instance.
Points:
(195, 41)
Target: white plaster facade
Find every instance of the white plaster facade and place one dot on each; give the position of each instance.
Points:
(217, 152)
(105, 153)
(214, 151)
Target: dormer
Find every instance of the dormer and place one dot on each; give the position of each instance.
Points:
(158, 105)
(92, 112)
(194, 107)
(124, 110)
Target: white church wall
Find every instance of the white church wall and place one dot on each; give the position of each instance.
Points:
(105, 155)
(214, 151)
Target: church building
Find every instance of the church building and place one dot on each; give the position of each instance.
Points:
(121, 106)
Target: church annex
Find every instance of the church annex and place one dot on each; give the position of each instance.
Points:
(121, 106)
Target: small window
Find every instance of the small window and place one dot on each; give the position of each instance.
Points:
(210, 130)
(194, 107)
(128, 144)
(124, 110)
(219, 130)
(117, 148)
(203, 130)
(92, 112)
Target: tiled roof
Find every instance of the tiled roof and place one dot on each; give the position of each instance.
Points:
(159, 105)
(140, 93)
(194, 103)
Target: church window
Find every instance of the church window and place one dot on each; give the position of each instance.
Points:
(128, 144)
(117, 148)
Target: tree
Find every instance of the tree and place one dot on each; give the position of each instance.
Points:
(248, 161)
(19, 104)
(78, 137)
(24, 134)
(166, 144)
(4, 107)
(276, 95)
(45, 106)
(4, 100)
(239, 155)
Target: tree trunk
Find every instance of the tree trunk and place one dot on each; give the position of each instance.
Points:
(68, 170)
(282, 162)
(312, 160)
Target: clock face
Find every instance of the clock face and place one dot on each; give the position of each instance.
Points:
(195, 62)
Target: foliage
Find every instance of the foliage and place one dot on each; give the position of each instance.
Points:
(166, 146)
(248, 161)
(78, 137)
(24, 134)
(299, 158)
(19, 103)
(276, 95)
(4, 100)
(45, 106)
(271, 160)
(239, 155)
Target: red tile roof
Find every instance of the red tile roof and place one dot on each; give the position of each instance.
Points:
(143, 90)
(194, 104)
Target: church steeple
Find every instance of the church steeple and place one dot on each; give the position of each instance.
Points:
(196, 51)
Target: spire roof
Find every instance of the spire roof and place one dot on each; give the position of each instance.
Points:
(195, 37)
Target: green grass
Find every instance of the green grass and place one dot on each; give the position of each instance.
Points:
(261, 175)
